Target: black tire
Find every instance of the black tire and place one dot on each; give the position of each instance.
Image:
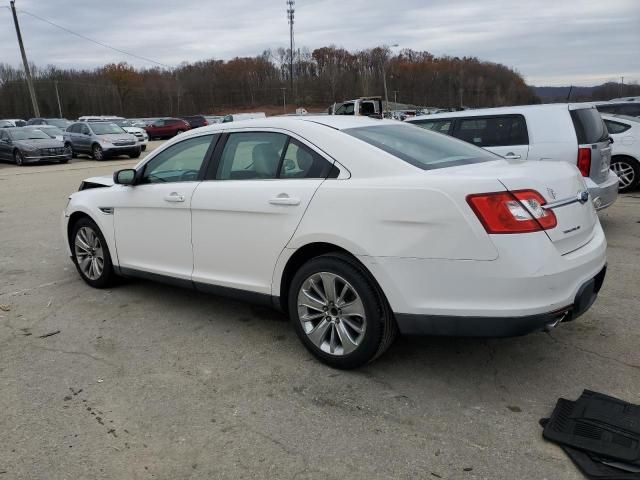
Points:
(108, 276)
(631, 168)
(96, 152)
(143, 148)
(66, 160)
(69, 148)
(135, 154)
(381, 329)
(18, 158)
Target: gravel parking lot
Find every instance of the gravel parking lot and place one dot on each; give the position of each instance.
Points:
(150, 381)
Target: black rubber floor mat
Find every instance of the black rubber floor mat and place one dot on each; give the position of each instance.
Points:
(595, 470)
(599, 424)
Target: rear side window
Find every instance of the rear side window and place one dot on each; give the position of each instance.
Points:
(616, 127)
(302, 162)
(419, 147)
(440, 126)
(504, 130)
(589, 126)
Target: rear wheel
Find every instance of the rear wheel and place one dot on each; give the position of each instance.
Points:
(91, 254)
(628, 171)
(97, 153)
(338, 312)
(178, 132)
(18, 157)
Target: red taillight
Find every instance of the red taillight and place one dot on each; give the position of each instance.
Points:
(584, 161)
(512, 212)
(205, 123)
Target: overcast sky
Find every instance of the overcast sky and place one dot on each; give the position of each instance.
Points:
(550, 42)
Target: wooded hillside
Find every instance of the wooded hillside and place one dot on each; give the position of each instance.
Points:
(321, 77)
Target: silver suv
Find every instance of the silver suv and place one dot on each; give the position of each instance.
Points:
(100, 140)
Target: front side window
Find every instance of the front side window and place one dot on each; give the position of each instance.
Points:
(179, 163)
(251, 156)
(499, 131)
(616, 127)
(420, 147)
(85, 130)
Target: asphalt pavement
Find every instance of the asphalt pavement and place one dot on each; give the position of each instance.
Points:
(150, 381)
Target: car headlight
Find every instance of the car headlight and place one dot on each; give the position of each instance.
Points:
(105, 143)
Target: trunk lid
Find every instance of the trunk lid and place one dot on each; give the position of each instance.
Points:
(562, 184)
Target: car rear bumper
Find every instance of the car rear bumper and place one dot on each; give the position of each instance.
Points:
(603, 194)
(494, 327)
(525, 287)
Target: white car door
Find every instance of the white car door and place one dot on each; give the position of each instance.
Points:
(249, 208)
(153, 217)
(505, 135)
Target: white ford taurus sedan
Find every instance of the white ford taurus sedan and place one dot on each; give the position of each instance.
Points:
(357, 228)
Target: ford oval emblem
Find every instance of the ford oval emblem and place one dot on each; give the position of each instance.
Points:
(583, 197)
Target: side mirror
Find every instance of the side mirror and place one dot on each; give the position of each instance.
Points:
(126, 176)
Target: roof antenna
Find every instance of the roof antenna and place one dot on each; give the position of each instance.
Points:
(569, 94)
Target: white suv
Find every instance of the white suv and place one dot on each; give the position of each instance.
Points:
(573, 133)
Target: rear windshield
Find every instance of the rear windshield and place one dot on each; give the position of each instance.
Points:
(421, 148)
(589, 126)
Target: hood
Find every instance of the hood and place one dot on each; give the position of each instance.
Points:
(37, 143)
(133, 129)
(106, 180)
(117, 137)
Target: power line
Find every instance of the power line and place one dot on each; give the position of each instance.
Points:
(139, 57)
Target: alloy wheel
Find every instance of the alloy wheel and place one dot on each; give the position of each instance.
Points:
(97, 152)
(331, 313)
(625, 172)
(19, 158)
(89, 253)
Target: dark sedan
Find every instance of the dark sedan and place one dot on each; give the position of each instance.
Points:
(24, 145)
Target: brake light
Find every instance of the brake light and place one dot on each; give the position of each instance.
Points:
(205, 123)
(512, 212)
(584, 161)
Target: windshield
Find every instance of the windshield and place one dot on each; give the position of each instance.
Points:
(51, 131)
(124, 123)
(421, 148)
(106, 128)
(28, 134)
(59, 122)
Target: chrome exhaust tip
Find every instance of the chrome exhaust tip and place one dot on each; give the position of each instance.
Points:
(551, 325)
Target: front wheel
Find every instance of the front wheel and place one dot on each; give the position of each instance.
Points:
(97, 153)
(135, 154)
(628, 171)
(339, 314)
(91, 254)
(18, 157)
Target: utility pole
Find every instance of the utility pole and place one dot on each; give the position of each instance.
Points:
(58, 97)
(32, 92)
(284, 99)
(395, 97)
(290, 15)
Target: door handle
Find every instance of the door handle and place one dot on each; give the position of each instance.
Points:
(174, 198)
(512, 156)
(284, 199)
